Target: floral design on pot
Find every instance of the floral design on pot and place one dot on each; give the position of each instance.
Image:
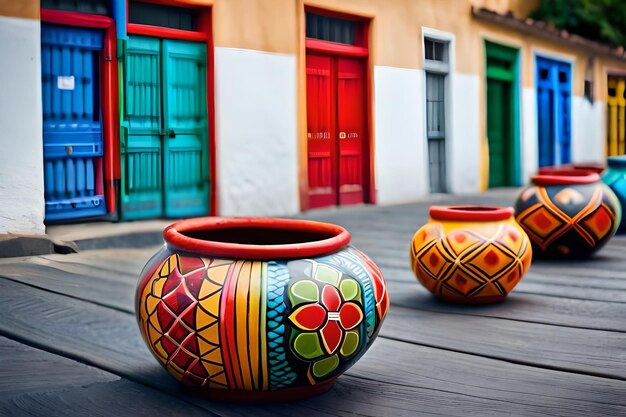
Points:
(259, 309)
(615, 178)
(470, 254)
(568, 214)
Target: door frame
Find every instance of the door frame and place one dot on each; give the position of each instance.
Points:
(511, 54)
(204, 34)
(109, 92)
(321, 47)
(608, 152)
(554, 56)
(446, 69)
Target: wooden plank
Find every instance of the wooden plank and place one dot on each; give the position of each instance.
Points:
(393, 378)
(438, 328)
(591, 352)
(74, 274)
(519, 306)
(36, 383)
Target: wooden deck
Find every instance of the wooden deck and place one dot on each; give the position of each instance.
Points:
(70, 345)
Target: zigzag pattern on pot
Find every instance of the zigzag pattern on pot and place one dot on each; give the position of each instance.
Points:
(281, 373)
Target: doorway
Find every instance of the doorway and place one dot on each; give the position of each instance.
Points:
(553, 111)
(336, 130)
(502, 115)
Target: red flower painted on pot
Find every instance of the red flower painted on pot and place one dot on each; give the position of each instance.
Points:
(326, 318)
(331, 316)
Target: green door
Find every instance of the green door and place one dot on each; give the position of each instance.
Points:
(499, 132)
(502, 116)
(164, 130)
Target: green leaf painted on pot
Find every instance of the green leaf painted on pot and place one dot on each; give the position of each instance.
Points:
(327, 274)
(303, 292)
(350, 343)
(349, 289)
(325, 366)
(308, 346)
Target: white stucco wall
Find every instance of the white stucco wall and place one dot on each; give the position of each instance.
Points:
(463, 139)
(256, 115)
(400, 149)
(21, 158)
(528, 135)
(588, 130)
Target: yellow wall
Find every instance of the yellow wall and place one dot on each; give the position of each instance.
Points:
(28, 9)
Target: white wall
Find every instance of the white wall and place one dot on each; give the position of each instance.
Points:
(400, 147)
(588, 130)
(21, 158)
(528, 135)
(256, 116)
(463, 138)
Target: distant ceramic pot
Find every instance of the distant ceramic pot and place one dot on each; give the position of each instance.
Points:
(597, 167)
(568, 214)
(250, 309)
(470, 254)
(615, 178)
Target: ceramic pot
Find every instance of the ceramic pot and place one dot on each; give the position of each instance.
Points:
(251, 309)
(568, 214)
(470, 254)
(596, 167)
(615, 178)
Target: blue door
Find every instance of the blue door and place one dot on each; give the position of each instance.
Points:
(72, 123)
(554, 90)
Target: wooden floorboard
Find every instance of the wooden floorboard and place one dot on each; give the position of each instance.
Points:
(554, 347)
(109, 339)
(34, 382)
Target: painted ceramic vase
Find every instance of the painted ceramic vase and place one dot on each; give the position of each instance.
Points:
(568, 214)
(470, 254)
(615, 178)
(251, 309)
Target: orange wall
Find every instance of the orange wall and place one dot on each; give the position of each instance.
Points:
(28, 9)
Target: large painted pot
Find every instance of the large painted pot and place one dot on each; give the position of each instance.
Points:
(568, 214)
(247, 309)
(470, 254)
(615, 177)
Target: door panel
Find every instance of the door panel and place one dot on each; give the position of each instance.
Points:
(435, 128)
(499, 131)
(321, 104)
(186, 172)
(351, 129)
(165, 130)
(72, 126)
(141, 149)
(616, 100)
(554, 111)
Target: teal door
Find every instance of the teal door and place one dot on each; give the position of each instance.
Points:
(164, 130)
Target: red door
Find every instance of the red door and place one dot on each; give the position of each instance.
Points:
(336, 130)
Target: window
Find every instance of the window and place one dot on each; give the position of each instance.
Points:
(162, 15)
(332, 29)
(93, 6)
(589, 80)
(435, 50)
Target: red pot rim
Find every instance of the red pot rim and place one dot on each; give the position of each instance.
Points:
(471, 213)
(175, 238)
(566, 177)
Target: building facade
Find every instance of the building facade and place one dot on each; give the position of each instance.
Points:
(125, 109)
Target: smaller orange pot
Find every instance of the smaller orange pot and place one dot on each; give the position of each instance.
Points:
(470, 254)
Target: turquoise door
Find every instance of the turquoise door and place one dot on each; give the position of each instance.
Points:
(164, 130)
